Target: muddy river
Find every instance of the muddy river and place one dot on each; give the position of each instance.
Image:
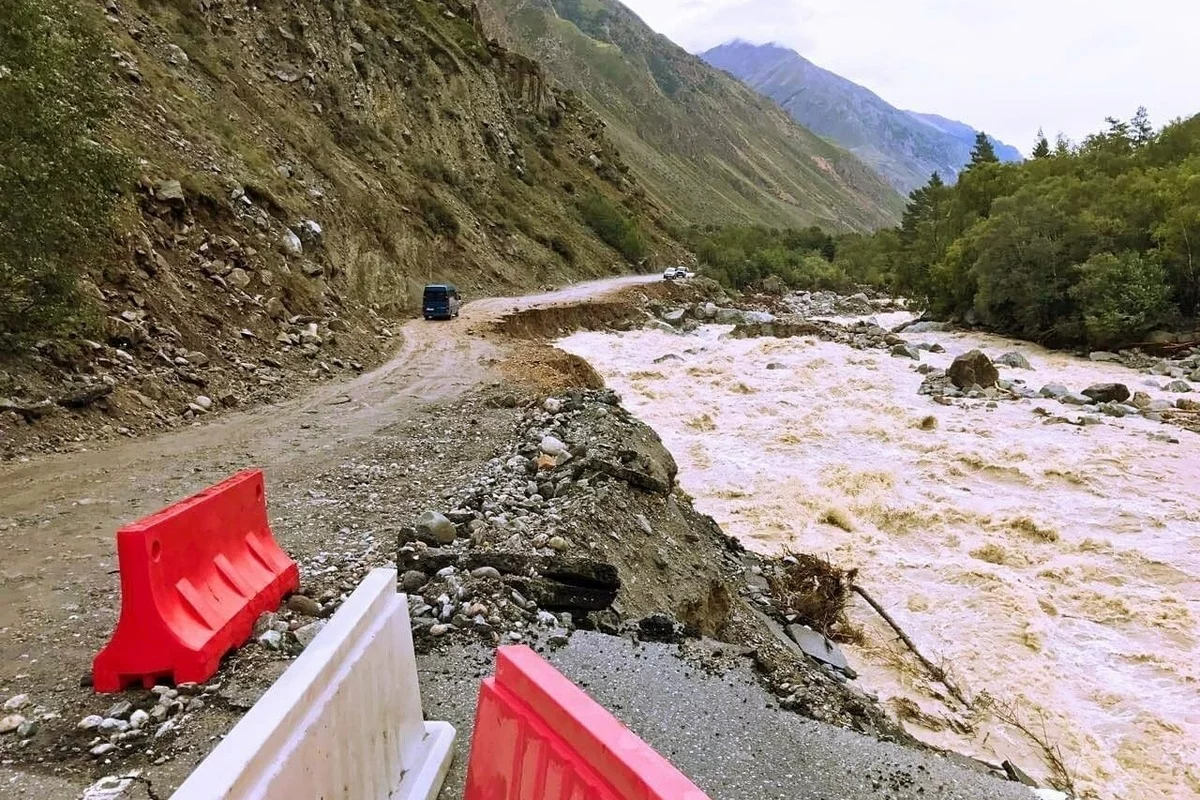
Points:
(1052, 568)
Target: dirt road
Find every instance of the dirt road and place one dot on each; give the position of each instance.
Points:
(58, 514)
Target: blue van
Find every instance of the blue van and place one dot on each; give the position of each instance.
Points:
(441, 301)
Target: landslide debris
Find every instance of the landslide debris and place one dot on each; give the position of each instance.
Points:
(303, 169)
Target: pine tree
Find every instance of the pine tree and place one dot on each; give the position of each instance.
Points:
(1042, 148)
(1141, 128)
(983, 153)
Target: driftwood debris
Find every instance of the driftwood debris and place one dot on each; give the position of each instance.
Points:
(937, 672)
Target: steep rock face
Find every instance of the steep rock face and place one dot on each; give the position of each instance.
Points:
(398, 128)
(702, 144)
(904, 147)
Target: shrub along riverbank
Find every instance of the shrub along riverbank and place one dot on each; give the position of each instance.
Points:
(1096, 243)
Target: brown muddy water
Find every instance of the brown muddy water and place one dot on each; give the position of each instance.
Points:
(1052, 568)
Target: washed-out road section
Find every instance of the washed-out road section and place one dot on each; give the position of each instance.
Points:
(58, 578)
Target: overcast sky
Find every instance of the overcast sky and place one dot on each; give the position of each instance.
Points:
(1006, 67)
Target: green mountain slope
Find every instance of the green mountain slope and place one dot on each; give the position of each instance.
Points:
(702, 145)
(904, 147)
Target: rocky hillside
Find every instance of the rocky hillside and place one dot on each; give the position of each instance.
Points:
(905, 147)
(702, 144)
(302, 169)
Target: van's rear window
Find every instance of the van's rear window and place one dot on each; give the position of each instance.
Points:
(435, 294)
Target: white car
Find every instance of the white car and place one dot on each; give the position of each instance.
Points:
(684, 272)
(670, 274)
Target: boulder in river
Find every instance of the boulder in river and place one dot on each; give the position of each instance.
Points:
(1108, 392)
(925, 327)
(1076, 399)
(906, 351)
(1015, 360)
(973, 368)
(1179, 386)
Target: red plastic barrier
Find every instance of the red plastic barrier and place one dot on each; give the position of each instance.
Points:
(539, 737)
(194, 578)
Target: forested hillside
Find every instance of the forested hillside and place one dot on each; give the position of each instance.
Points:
(1095, 242)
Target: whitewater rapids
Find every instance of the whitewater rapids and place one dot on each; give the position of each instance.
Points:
(1054, 568)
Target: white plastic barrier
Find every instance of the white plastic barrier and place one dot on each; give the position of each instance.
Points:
(344, 721)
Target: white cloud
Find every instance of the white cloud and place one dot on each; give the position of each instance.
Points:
(1007, 67)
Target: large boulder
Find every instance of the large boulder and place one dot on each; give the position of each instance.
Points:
(1108, 392)
(973, 368)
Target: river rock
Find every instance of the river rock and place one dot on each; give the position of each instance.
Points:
(758, 317)
(1076, 399)
(552, 446)
(1141, 400)
(927, 327)
(1105, 356)
(435, 526)
(906, 351)
(11, 723)
(1054, 391)
(1108, 392)
(1015, 360)
(973, 368)
(1179, 386)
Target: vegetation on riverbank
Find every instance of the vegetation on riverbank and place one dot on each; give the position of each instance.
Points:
(1094, 243)
(1088, 243)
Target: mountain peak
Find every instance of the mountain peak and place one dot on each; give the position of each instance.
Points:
(905, 147)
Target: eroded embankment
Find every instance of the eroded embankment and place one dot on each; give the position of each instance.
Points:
(578, 523)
